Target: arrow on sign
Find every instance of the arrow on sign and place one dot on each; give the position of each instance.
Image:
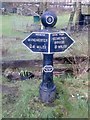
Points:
(60, 42)
(37, 42)
(48, 42)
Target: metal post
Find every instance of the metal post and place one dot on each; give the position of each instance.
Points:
(47, 87)
(44, 41)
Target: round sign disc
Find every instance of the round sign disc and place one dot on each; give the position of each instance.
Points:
(49, 19)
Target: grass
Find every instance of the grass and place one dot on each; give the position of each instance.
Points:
(12, 40)
(62, 20)
(23, 102)
(12, 22)
(27, 105)
(13, 49)
(0, 105)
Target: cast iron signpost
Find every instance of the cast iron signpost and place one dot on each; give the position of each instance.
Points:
(48, 41)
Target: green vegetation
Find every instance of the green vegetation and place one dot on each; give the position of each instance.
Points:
(24, 103)
(62, 21)
(12, 48)
(10, 23)
(20, 98)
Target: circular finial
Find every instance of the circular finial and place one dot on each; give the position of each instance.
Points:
(48, 19)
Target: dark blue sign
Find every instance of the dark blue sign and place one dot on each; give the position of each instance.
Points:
(37, 42)
(60, 41)
(48, 42)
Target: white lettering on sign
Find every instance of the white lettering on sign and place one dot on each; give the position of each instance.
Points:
(37, 40)
(59, 42)
(48, 68)
(40, 34)
(61, 34)
(41, 47)
(48, 42)
(60, 46)
(58, 34)
(59, 38)
(31, 46)
(55, 46)
(37, 46)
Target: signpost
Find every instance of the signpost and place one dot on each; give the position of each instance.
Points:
(37, 42)
(48, 42)
(61, 41)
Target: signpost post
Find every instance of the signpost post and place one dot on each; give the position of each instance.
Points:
(48, 41)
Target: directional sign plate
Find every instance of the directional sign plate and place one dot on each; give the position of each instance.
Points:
(48, 42)
(60, 42)
(37, 42)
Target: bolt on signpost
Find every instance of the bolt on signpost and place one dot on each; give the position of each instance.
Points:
(48, 41)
